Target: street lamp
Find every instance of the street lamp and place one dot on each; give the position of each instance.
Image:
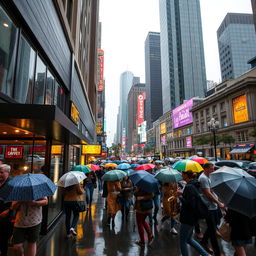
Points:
(213, 126)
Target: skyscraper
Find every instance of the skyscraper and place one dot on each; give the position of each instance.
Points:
(254, 12)
(154, 106)
(126, 82)
(237, 44)
(182, 53)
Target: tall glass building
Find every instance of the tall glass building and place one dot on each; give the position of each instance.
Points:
(182, 52)
(237, 44)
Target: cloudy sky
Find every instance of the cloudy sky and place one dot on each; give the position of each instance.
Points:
(125, 25)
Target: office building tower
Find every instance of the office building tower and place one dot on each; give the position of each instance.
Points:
(237, 44)
(254, 12)
(182, 52)
(154, 106)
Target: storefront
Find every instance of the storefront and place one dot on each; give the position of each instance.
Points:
(243, 152)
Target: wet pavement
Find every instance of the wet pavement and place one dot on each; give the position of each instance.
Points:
(95, 238)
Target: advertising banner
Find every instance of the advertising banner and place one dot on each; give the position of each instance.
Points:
(74, 113)
(163, 140)
(14, 152)
(182, 115)
(240, 109)
(162, 128)
(101, 70)
(143, 132)
(189, 142)
(91, 149)
(140, 108)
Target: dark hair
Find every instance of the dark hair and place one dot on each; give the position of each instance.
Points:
(208, 165)
(190, 174)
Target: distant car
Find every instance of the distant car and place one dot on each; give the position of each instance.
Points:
(212, 158)
(252, 169)
(242, 164)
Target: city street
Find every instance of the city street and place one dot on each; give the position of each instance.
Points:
(95, 238)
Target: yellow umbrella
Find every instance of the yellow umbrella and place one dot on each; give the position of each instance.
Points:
(187, 165)
(110, 165)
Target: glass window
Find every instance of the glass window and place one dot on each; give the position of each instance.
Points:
(8, 42)
(49, 88)
(39, 87)
(59, 97)
(25, 73)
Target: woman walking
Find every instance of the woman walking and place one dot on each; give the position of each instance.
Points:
(188, 217)
(143, 206)
(72, 195)
(126, 192)
(113, 188)
(90, 185)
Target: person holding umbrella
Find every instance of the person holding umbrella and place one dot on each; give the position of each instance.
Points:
(127, 189)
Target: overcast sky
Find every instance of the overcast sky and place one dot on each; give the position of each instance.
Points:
(125, 25)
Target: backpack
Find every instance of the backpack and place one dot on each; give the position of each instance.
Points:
(201, 210)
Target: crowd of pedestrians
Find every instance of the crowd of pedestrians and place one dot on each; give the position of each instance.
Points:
(176, 201)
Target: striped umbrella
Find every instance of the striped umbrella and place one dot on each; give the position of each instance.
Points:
(198, 159)
(187, 165)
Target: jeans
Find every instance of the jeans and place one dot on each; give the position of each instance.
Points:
(186, 232)
(126, 207)
(69, 207)
(142, 224)
(212, 221)
(89, 193)
(6, 228)
(100, 184)
(156, 201)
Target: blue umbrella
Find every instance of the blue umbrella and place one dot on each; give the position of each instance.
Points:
(134, 165)
(27, 187)
(124, 161)
(145, 181)
(129, 171)
(123, 166)
(143, 161)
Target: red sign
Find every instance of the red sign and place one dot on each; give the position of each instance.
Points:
(140, 109)
(101, 70)
(14, 152)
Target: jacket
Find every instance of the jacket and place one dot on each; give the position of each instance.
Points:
(73, 193)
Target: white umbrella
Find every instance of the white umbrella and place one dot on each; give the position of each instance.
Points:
(71, 178)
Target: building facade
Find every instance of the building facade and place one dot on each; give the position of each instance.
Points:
(233, 106)
(134, 105)
(254, 12)
(154, 106)
(182, 52)
(237, 44)
(48, 74)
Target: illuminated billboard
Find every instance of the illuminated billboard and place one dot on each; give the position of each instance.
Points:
(189, 142)
(182, 114)
(91, 149)
(74, 113)
(101, 70)
(162, 128)
(240, 109)
(140, 108)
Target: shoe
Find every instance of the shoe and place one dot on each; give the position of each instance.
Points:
(138, 242)
(151, 240)
(174, 231)
(199, 235)
(73, 232)
(206, 247)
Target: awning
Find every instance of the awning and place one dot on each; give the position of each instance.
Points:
(240, 149)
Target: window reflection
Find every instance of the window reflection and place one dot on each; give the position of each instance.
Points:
(49, 88)
(8, 42)
(25, 73)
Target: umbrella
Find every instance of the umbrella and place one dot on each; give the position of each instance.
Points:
(187, 165)
(81, 168)
(143, 161)
(114, 175)
(145, 181)
(236, 189)
(123, 166)
(158, 162)
(27, 187)
(145, 167)
(168, 175)
(124, 161)
(71, 178)
(117, 161)
(198, 159)
(94, 167)
(110, 165)
(129, 171)
(134, 165)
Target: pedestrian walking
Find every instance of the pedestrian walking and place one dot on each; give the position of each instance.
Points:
(127, 189)
(6, 212)
(188, 215)
(27, 225)
(113, 188)
(214, 214)
(90, 185)
(71, 196)
(241, 231)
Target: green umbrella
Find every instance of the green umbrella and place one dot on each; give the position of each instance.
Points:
(81, 168)
(168, 175)
(187, 165)
(114, 175)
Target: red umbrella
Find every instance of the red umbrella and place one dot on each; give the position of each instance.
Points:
(145, 167)
(198, 159)
(94, 167)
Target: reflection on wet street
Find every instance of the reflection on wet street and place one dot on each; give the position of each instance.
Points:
(95, 238)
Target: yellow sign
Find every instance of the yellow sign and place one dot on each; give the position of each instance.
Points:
(91, 149)
(74, 113)
(99, 127)
(56, 149)
(240, 109)
(162, 128)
